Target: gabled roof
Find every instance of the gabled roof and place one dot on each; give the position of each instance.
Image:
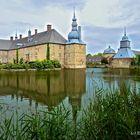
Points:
(41, 38)
(5, 44)
(124, 53)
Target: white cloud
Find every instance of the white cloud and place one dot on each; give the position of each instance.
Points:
(102, 20)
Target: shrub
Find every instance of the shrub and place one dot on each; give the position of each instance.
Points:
(56, 63)
(39, 65)
(7, 66)
(21, 61)
(36, 65)
(104, 60)
(47, 64)
(17, 66)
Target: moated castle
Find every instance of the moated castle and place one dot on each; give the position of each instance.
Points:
(49, 44)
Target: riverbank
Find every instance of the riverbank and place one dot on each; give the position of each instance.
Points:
(56, 69)
(110, 115)
(109, 66)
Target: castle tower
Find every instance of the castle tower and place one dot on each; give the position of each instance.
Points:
(75, 50)
(124, 56)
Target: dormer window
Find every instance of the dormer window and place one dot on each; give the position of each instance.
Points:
(30, 39)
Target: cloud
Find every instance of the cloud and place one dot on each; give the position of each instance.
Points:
(61, 3)
(102, 21)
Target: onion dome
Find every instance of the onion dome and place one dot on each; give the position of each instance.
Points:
(75, 35)
(109, 50)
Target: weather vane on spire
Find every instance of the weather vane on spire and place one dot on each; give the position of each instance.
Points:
(74, 12)
(124, 31)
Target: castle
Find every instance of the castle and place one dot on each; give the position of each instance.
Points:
(49, 45)
(124, 55)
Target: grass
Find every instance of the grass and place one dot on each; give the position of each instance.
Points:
(111, 115)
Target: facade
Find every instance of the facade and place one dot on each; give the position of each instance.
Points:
(124, 56)
(49, 44)
(94, 59)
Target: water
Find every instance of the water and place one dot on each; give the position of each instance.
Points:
(32, 90)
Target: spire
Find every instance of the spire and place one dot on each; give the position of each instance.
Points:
(124, 31)
(75, 35)
(74, 13)
(74, 23)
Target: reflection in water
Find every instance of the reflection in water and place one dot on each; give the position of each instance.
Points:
(72, 87)
(114, 78)
(47, 88)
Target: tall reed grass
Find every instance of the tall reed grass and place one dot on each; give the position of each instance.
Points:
(111, 115)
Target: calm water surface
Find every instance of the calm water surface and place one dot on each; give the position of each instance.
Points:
(33, 90)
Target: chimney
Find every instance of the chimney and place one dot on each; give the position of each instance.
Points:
(79, 31)
(49, 27)
(29, 33)
(16, 37)
(20, 36)
(35, 31)
(11, 38)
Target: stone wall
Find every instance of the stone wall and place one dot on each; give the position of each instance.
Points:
(70, 56)
(28, 53)
(3, 56)
(108, 55)
(121, 63)
(57, 52)
(75, 56)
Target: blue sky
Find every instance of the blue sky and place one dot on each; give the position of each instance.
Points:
(102, 21)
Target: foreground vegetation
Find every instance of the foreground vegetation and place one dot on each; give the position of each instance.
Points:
(39, 65)
(111, 115)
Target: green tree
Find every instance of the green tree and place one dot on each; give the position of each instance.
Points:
(104, 60)
(89, 55)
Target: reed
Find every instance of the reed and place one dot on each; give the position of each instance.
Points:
(111, 115)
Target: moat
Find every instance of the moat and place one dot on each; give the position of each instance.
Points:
(33, 90)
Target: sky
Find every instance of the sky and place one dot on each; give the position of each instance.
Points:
(102, 21)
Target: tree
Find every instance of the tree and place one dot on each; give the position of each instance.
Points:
(89, 55)
(104, 60)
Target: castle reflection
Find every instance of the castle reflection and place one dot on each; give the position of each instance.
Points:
(45, 87)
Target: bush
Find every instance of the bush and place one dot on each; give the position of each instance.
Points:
(56, 63)
(47, 64)
(21, 61)
(17, 66)
(7, 66)
(104, 61)
(36, 65)
(39, 65)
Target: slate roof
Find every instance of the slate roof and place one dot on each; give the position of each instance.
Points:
(41, 38)
(109, 50)
(5, 44)
(124, 53)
